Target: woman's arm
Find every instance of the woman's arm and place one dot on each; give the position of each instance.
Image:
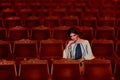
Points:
(89, 55)
(66, 52)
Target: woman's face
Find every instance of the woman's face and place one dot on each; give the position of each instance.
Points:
(74, 36)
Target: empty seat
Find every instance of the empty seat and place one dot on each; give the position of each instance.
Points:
(103, 48)
(87, 33)
(88, 21)
(117, 71)
(93, 12)
(117, 50)
(75, 12)
(51, 49)
(7, 70)
(51, 21)
(3, 33)
(69, 21)
(79, 5)
(65, 70)
(32, 21)
(97, 69)
(20, 5)
(12, 22)
(34, 70)
(1, 22)
(9, 13)
(106, 21)
(60, 33)
(118, 34)
(35, 6)
(41, 13)
(23, 49)
(118, 21)
(94, 4)
(6, 5)
(105, 33)
(40, 33)
(25, 13)
(107, 13)
(17, 33)
(59, 12)
(5, 50)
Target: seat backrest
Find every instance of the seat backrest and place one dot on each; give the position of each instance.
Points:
(103, 48)
(105, 33)
(70, 21)
(17, 33)
(12, 22)
(7, 70)
(34, 70)
(25, 49)
(32, 21)
(40, 33)
(5, 50)
(51, 49)
(117, 71)
(3, 33)
(118, 48)
(60, 33)
(98, 69)
(65, 70)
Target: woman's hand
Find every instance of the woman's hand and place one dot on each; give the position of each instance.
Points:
(69, 43)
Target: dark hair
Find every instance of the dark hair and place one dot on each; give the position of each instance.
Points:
(74, 30)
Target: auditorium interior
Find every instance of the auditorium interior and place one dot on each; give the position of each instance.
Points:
(33, 35)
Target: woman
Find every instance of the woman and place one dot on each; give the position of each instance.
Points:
(77, 48)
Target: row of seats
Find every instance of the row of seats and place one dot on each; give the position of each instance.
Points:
(54, 21)
(53, 49)
(60, 33)
(54, 5)
(59, 70)
(96, 3)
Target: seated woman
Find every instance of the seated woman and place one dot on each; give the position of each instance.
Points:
(77, 48)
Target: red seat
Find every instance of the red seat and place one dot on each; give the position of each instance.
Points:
(88, 21)
(65, 70)
(106, 21)
(103, 48)
(40, 33)
(41, 13)
(8, 70)
(34, 70)
(87, 33)
(12, 22)
(105, 33)
(69, 21)
(32, 21)
(3, 33)
(97, 69)
(51, 21)
(117, 50)
(60, 33)
(117, 71)
(51, 49)
(25, 12)
(118, 33)
(23, 49)
(5, 50)
(17, 33)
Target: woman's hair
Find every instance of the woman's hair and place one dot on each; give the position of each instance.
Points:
(74, 30)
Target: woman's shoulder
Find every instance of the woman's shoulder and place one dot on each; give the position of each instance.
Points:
(84, 41)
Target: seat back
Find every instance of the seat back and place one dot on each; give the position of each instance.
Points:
(34, 70)
(51, 49)
(98, 69)
(65, 70)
